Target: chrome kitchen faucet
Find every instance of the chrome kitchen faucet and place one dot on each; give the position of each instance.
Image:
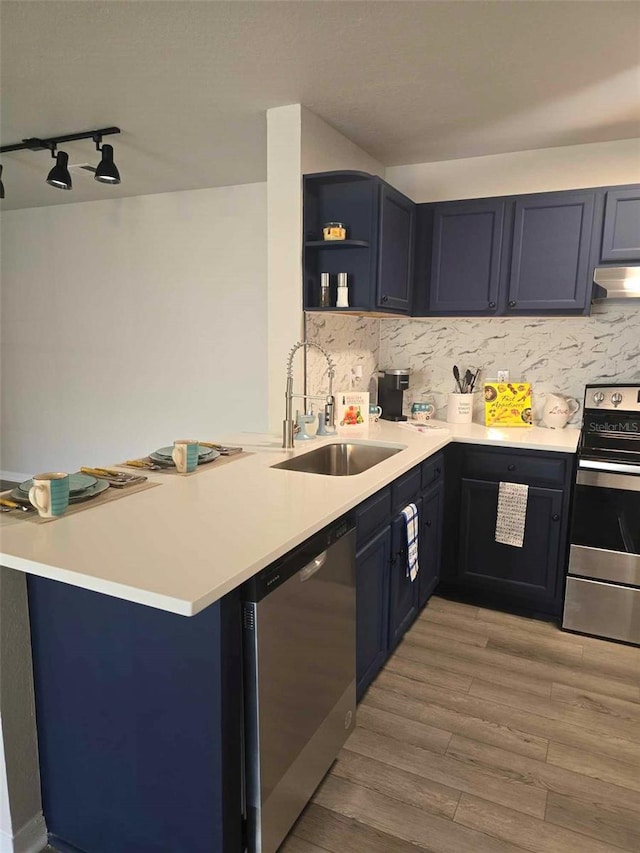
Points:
(289, 429)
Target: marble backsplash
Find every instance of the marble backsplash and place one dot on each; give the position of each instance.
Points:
(352, 342)
(560, 354)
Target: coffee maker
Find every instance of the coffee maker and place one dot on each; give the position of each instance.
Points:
(391, 385)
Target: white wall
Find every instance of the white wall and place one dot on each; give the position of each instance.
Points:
(547, 169)
(128, 323)
(325, 149)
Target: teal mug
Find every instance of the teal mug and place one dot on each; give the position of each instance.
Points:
(422, 411)
(50, 494)
(374, 413)
(185, 455)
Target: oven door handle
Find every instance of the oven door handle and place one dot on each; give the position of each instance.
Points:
(608, 480)
(603, 465)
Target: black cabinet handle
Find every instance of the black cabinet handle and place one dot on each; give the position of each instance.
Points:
(428, 524)
(438, 472)
(384, 299)
(492, 305)
(511, 467)
(555, 517)
(512, 304)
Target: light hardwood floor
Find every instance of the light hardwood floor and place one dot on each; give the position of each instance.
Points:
(487, 733)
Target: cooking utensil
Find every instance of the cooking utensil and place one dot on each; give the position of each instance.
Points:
(143, 463)
(6, 506)
(456, 376)
(116, 479)
(468, 377)
(221, 448)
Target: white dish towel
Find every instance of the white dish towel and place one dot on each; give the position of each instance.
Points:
(410, 513)
(511, 518)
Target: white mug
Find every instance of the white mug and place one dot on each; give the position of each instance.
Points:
(185, 455)
(460, 409)
(50, 494)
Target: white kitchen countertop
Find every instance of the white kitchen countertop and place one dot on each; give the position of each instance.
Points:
(184, 545)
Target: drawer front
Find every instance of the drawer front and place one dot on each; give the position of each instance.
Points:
(432, 470)
(516, 468)
(406, 489)
(602, 609)
(372, 515)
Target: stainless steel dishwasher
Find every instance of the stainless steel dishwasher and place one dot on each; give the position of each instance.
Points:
(299, 631)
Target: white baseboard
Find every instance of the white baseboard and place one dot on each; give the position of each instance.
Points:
(32, 838)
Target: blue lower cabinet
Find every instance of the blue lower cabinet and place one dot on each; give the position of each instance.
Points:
(531, 576)
(403, 592)
(139, 723)
(430, 543)
(372, 584)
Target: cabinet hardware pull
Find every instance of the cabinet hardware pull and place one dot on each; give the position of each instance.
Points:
(384, 298)
(492, 305)
(437, 472)
(511, 467)
(555, 517)
(428, 524)
(512, 304)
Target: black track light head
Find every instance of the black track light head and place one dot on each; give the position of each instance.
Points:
(1, 184)
(59, 176)
(107, 171)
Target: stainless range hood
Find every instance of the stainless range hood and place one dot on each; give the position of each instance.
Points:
(616, 283)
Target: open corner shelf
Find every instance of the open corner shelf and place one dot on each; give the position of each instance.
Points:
(337, 244)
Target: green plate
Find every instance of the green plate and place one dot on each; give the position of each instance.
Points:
(167, 451)
(98, 487)
(78, 483)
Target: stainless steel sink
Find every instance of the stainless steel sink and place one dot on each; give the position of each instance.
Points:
(339, 459)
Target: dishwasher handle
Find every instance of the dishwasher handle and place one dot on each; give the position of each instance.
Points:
(314, 566)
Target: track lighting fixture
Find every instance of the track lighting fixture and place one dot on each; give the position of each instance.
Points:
(59, 176)
(105, 173)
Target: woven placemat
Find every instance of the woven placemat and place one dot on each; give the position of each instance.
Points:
(216, 464)
(108, 496)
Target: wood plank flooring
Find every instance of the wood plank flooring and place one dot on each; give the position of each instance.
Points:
(487, 733)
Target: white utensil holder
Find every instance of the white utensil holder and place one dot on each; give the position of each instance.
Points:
(460, 409)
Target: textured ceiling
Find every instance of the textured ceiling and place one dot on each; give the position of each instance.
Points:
(189, 82)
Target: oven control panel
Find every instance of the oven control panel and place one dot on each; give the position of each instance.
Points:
(623, 398)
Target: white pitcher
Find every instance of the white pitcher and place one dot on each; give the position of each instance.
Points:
(558, 410)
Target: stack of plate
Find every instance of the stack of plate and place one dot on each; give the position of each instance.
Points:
(82, 487)
(162, 456)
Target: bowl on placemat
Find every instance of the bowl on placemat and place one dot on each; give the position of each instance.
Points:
(162, 456)
(82, 487)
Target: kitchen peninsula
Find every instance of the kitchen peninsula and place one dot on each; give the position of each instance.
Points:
(139, 707)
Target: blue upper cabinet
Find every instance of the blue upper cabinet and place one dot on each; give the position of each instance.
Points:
(550, 252)
(377, 255)
(465, 262)
(395, 250)
(621, 228)
(529, 254)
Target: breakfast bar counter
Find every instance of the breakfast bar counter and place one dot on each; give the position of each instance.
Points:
(183, 546)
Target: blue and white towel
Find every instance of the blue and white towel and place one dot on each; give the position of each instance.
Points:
(410, 513)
